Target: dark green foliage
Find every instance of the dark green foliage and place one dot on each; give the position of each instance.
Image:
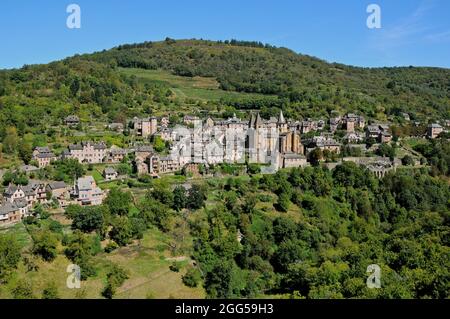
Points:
(283, 202)
(118, 201)
(315, 156)
(387, 150)
(50, 291)
(155, 213)
(290, 252)
(25, 151)
(124, 169)
(162, 194)
(88, 219)
(407, 160)
(15, 178)
(253, 168)
(122, 231)
(23, 290)
(221, 281)
(179, 198)
(55, 226)
(196, 197)
(146, 179)
(175, 267)
(351, 175)
(437, 153)
(137, 227)
(111, 247)
(192, 277)
(79, 249)
(115, 278)
(349, 220)
(9, 254)
(68, 170)
(44, 245)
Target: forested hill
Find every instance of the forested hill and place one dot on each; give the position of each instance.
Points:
(303, 80)
(95, 85)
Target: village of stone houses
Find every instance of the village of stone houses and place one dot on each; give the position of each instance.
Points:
(161, 169)
(195, 149)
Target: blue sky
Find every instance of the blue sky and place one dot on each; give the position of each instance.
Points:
(413, 32)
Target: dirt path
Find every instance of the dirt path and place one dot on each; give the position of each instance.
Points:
(178, 258)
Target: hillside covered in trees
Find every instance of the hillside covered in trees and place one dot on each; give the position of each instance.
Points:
(300, 81)
(94, 85)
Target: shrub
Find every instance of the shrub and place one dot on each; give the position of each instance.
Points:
(111, 247)
(175, 267)
(192, 278)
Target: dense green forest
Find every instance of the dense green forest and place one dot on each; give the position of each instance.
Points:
(300, 233)
(344, 220)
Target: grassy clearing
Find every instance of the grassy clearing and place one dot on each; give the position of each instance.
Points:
(164, 77)
(198, 88)
(412, 142)
(145, 262)
(19, 232)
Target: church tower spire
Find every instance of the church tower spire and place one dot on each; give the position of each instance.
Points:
(281, 119)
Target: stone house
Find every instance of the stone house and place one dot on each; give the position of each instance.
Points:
(43, 156)
(434, 130)
(141, 158)
(379, 132)
(145, 127)
(168, 164)
(59, 191)
(86, 191)
(352, 121)
(87, 152)
(191, 120)
(308, 125)
(33, 193)
(353, 137)
(9, 213)
(293, 160)
(110, 174)
(166, 134)
(115, 155)
(325, 143)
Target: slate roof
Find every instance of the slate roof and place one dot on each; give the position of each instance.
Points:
(7, 208)
(56, 185)
(10, 190)
(144, 148)
(86, 182)
(79, 147)
(117, 151)
(293, 156)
